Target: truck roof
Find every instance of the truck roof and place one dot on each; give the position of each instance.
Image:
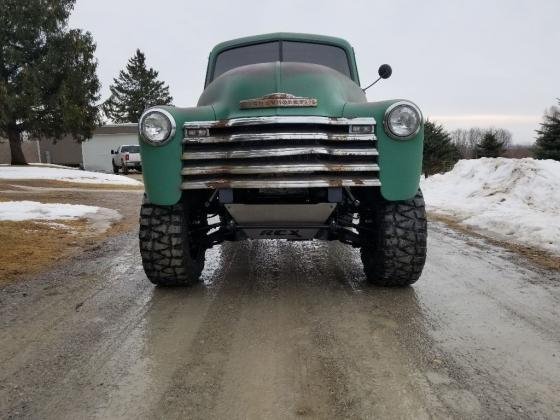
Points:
(281, 36)
(285, 36)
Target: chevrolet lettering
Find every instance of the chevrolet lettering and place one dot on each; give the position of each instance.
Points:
(277, 100)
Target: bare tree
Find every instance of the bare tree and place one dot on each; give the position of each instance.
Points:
(504, 136)
(466, 141)
(459, 139)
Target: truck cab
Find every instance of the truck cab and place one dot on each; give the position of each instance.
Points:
(283, 144)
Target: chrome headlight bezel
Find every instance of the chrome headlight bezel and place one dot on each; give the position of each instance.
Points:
(391, 109)
(168, 116)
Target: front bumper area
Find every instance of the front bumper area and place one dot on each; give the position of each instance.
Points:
(280, 221)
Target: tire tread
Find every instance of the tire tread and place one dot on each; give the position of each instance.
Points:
(396, 254)
(164, 246)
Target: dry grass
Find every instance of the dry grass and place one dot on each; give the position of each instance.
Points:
(4, 186)
(538, 257)
(28, 247)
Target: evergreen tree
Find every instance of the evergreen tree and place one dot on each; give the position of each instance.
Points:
(136, 89)
(548, 140)
(490, 145)
(440, 154)
(48, 85)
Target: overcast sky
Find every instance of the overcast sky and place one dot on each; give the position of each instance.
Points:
(465, 63)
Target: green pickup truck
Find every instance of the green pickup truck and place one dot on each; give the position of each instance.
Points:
(283, 144)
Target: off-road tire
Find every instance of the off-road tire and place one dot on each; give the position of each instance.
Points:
(168, 254)
(395, 242)
(124, 168)
(115, 168)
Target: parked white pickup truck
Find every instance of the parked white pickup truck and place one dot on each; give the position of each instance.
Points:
(126, 157)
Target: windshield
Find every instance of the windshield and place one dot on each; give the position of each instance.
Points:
(303, 52)
(130, 149)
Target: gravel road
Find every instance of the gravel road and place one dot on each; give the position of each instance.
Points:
(283, 330)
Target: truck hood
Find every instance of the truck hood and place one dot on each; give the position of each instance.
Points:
(331, 88)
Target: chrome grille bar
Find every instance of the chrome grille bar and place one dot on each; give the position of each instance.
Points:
(279, 136)
(275, 168)
(301, 182)
(267, 152)
(238, 122)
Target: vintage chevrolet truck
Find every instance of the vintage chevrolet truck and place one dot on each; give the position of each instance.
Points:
(283, 144)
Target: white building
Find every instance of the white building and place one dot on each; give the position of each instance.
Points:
(96, 152)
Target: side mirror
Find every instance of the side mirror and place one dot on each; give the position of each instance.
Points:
(385, 71)
(112, 152)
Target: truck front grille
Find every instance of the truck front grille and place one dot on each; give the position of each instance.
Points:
(279, 152)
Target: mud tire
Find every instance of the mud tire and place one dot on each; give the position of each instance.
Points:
(124, 168)
(395, 250)
(168, 254)
(115, 168)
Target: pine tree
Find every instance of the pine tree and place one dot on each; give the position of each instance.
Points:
(440, 154)
(548, 140)
(136, 89)
(490, 145)
(48, 84)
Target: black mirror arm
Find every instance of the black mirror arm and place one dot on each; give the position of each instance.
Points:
(367, 87)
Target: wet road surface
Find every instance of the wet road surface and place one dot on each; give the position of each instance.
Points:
(284, 330)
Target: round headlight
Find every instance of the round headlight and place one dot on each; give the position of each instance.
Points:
(402, 120)
(157, 126)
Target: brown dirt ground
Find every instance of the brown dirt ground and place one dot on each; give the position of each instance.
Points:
(29, 247)
(538, 257)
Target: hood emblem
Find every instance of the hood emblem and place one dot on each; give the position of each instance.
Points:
(278, 100)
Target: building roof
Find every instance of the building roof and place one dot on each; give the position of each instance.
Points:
(127, 128)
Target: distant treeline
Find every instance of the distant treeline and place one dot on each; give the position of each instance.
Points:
(468, 143)
(443, 149)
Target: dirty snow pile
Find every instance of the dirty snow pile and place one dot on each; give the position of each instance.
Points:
(63, 174)
(515, 199)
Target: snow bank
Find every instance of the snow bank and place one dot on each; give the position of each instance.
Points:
(63, 174)
(26, 210)
(517, 199)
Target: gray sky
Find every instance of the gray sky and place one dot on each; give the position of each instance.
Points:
(465, 63)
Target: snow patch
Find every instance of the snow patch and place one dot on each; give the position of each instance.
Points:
(63, 174)
(100, 217)
(517, 199)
